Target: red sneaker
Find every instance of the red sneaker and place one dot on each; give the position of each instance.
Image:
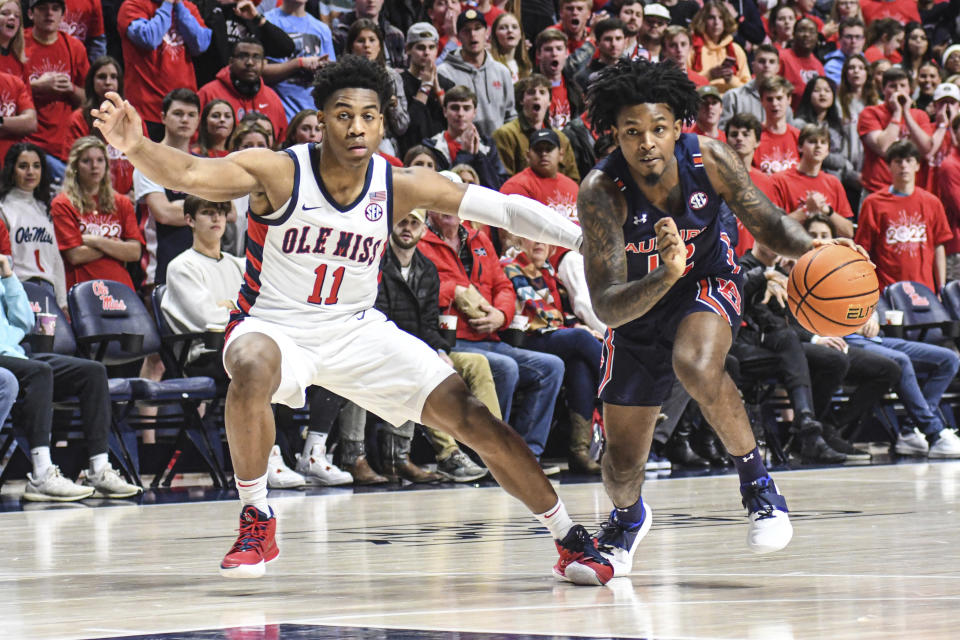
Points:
(256, 545)
(580, 562)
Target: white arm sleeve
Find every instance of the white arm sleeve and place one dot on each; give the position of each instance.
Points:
(520, 216)
(572, 276)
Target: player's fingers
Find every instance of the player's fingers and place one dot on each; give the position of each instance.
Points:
(665, 223)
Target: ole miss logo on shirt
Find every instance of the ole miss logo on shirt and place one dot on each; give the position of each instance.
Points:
(352, 246)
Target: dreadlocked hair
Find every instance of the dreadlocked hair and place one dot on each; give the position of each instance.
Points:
(631, 82)
(352, 72)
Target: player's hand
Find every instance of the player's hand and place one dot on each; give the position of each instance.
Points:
(673, 253)
(872, 328)
(834, 343)
(847, 242)
(119, 123)
(490, 322)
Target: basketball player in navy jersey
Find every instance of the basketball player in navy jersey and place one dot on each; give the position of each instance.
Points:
(663, 276)
(320, 216)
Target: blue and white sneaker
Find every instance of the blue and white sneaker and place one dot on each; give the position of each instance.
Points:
(770, 528)
(618, 544)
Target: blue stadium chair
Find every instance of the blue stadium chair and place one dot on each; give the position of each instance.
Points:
(925, 318)
(113, 326)
(951, 298)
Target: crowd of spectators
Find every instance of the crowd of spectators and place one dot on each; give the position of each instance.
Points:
(846, 114)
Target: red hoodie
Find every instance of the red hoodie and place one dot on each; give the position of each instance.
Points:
(266, 101)
(487, 276)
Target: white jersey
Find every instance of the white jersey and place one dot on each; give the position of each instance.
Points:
(314, 260)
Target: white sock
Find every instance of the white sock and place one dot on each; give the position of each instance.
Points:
(313, 438)
(40, 456)
(557, 520)
(98, 462)
(254, 492)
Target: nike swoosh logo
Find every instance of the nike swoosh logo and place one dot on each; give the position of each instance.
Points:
(306, 208)
(263, 106)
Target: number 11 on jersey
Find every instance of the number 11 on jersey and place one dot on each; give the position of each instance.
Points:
(321, 272)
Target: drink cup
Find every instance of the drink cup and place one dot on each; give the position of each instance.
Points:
(46, 324)
(448, 328)
(893, 316)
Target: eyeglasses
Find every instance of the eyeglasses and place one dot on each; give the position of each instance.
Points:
(243, 57)
(853, 36)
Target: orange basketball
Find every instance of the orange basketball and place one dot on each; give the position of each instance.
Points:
(832, 290)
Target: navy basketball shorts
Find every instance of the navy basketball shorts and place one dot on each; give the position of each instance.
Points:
(637, 364)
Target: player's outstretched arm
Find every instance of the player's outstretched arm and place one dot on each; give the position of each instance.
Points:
(769, 224)
(418, 188)
(616, 301)
(215, 179)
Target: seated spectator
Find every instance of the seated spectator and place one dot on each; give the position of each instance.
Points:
(423, 87)
(159, 43)
(778, 143)
(161, 210)
(916, 50)
(799, 65)
(443, 16)
(746, 99)
(217, 123)
(229, 22)
(18, 117)
(12, 42)
(567, 100)
(370, 10)
(903, 227)
(104, 75)
(513, 138)
(83, 19)
(96, 227)
(818, 105)
(303, 128)
(806, 190)
(574, 22)
(715, 55)
(927, 80)
(708, 114)
(850, 41)
(249, 135)
(257, 118)
(467, 173)
(56, 66)
(937, 364)
(240, 83)
(630, 14)
(884, 38)
(408, 295)
(948, 183)
(421, 156)
(507, 46)
(462, 142)
(608, 34)
(535, 284)
(951, 60)
(474, 288)
(26, 228)
(44, 379)
(743, 135)
(365, 39)
(840, 11)
(471, 66)
(781, 21)
(291, 75)
(656, 17)
(676, 47)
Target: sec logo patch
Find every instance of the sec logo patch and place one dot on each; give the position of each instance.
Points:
(373, 212)
(698, 200)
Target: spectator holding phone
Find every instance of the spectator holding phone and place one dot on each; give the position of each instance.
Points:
(714, 53)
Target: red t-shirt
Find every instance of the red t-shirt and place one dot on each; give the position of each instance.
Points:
(695, 128)
(559, 193)
(560, 112)
(875, 175)
(150, 75)
(83, 19)
(66, 55)
(70, 225)
(777, 151)
(572, 44)
(14, 98)
(903, 11)
(948, 188)
(874, 53)
(697, 79)
(901, 233)
(121, 171)
(799, 71)
(763, 182)
(492, 15)
(9, 64)
(791, 188)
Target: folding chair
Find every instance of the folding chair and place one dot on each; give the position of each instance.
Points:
(925, 318)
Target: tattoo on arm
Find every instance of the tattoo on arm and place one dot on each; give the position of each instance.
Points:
(616, 301)
(769, 224)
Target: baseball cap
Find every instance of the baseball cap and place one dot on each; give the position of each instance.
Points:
(468, 16)
(709, 91)
(656, 10)
(946, 90)
(419, 214)
(544, 135)
(34, 3)
(422, 31)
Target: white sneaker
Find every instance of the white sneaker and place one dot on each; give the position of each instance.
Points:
(912, 443)
(946, 446)
(53, 487)
(279, 475)
(770, 529)
(317, 469)
(109, 484)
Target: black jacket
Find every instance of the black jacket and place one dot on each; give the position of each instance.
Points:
(412, 305)
(769, 317)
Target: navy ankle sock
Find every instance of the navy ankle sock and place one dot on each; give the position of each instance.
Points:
(630, 517)
(750, 467)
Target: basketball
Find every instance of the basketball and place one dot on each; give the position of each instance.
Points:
(832, 290)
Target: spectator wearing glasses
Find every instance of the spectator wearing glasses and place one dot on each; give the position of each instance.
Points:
(850, 42)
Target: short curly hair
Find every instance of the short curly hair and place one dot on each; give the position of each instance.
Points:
(631, 82)
(352, 72)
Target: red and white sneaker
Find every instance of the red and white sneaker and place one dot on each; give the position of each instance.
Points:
(580, 562)
(256, 545)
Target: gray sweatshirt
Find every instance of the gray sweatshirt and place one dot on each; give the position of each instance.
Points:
(493, 85)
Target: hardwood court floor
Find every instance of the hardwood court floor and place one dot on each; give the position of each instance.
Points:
(875, 555)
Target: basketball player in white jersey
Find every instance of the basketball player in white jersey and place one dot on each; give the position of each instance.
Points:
(320, 217)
